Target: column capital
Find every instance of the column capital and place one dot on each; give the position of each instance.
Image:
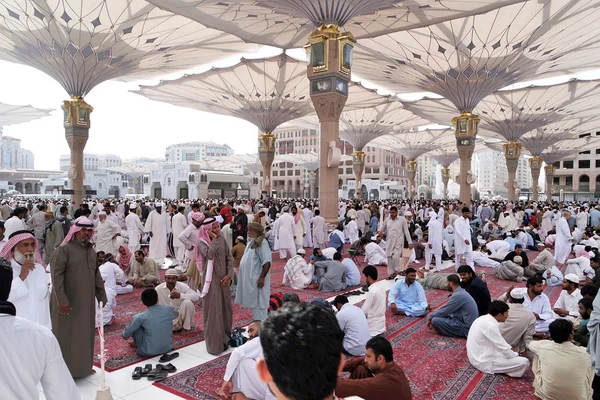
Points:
(465, 126)
(550, 170)
(536, 162)
(512, 150)
(76, 113)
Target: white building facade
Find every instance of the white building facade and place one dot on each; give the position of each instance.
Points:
(15, 157)
(196, 151)
(92, 162)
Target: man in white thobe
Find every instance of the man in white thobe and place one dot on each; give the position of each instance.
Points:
(189, 237)
(567, 305)
(29, 291)
(107, 234)
(376, 302)
(319, 230)
(435, 238)
(395, 229)
(178, 295)
(361, 220)
(285, 231)
(582, 218)
(539, 304)
(134, 229)
(300, 228)
(374, 254)
(562, 243)
(156, 226)
(308, 214)
(37, 223)
(111, 274)
(486, 348)
(298, 274)
(179, 225)
(16, 222)
(462, 242)
(352, 229)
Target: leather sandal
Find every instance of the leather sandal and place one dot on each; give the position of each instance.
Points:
(168, 357)
(137, 374)
(152, 374)
(146, 370)
(170, 368)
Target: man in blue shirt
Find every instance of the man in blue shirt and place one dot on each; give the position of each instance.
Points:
(354, 324)
(152, 330)
(352, 272)
(455, 318)
(407, 296)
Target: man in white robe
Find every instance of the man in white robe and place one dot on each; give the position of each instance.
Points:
(179, 225)
(285, 231)
(567, 305)
(29, 291)
(352, 229)
(546, 220)
(582, 218)
(134, 229)
(308, 214)
(319, 230)
(111, 274)
(539, 304)
(435, 240)
(486, 348)
(16, 222)
(156, 227)
(298, 274)
(462, 243)
(376, 302)
(189, 237)
(182, 297)
(483, 260)
(299, 228)
(562, 243)
(374, 254)
(361, 220)
(107, 234)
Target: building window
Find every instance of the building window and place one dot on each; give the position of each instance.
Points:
(367, 170)
(557, 164)
(297, 172)
(290, 172)
(275, 173)
(584, 163)
(376, 170)
(569, 181)
(349, 171)
(585, 152)
(597, 163)
(341, 171)
(568, 164)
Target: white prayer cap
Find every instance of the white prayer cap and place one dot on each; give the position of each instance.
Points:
(102, 213)
(300, 251)
(353, 217)
(572, 278)
(518, 260)
(133, 206)
(518, 293)
(373, 238)
(285, 209)
(219, 219)
(432, 214)
(171, 272)
(159, 205)
(407, 214)
(240, 238)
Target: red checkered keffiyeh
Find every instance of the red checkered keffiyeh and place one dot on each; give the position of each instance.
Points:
(7, 250)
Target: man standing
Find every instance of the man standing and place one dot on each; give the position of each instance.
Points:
(53, 236)
(189, 237)
(214, 261)
(486, 348)
(396, 231)
(179, 225)
(16, 222)
(76, 283)
(181, 297)
(407, 296)
(319, 230)
(37, 223)
(562, 243)
(106, 234)
(299, 228)
(435, 239)
(254, 283)
(156, 226)
(462, 244)
(134, 229)
(308, 214)
(456, 317)
(29, 291)
(286, 233)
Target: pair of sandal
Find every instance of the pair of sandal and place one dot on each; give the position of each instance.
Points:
(159, 373)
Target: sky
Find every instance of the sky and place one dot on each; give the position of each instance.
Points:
(129, 125)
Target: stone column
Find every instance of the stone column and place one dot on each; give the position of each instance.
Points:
(77, 127)
(358, 166)
(512, 152)
(535, 164)
(312, 179)
(550, 170)
(411, 169)
(445, 180)
(266, 154)
(330, 55)
(465, 131)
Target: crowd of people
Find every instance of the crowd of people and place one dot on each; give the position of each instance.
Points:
(63, 264)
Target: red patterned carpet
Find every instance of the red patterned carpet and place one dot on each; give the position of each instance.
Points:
(121, 355)
(437, 367)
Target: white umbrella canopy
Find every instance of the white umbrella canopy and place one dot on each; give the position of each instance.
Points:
(12, 114)
(309, 160)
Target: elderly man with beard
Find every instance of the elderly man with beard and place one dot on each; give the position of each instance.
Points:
(156, 227)
(77, 283)
(179, 296)
(106, 234)
(254, 283)
(29, 291)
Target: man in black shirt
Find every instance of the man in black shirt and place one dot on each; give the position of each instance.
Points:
(476, 288)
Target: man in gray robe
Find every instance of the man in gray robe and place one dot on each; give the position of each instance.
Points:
(214, 288)
(254, 282)
(331, 275)
(77, 283)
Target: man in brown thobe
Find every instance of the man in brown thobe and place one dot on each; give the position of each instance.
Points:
(76, 283)
(216, 297)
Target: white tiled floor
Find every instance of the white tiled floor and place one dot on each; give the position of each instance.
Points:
(123, 387)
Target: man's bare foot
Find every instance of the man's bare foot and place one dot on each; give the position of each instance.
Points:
(398, 312)
(539, 335)
(130, 342)
(239, 396)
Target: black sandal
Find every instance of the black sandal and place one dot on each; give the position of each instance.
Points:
(161, 375)
(170, 368)
(168, 357)
(146, 370)
(137, 374)
(154, 373)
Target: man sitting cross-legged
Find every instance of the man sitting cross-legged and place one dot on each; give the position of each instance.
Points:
(241, 380)
(298, 274)
(180, 296)
(144, 271)
(152, 330)
(455, 318)
(376, 376)
(407, 297)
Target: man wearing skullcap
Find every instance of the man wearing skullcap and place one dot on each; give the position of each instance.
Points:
(519, 327)
(462, 243)
(134, 228)
(254, 283)
(107, 233)
(77, 284)
(179, 223)
(156, 227)
(181, 297)
(285, 231)
(567, 305)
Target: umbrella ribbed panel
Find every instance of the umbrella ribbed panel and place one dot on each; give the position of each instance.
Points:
(83, 43)
(12, 114)
(466, 59)
(288, 23)
(250, 161)
(414, 144)
(445, 158)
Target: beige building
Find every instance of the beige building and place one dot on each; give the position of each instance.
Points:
(579, 177)
(289, 180)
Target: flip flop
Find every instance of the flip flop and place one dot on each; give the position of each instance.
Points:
(161, 376)
(137, 374)
(168, 357)
(170, 368)
(146, 369)
(154, 373)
